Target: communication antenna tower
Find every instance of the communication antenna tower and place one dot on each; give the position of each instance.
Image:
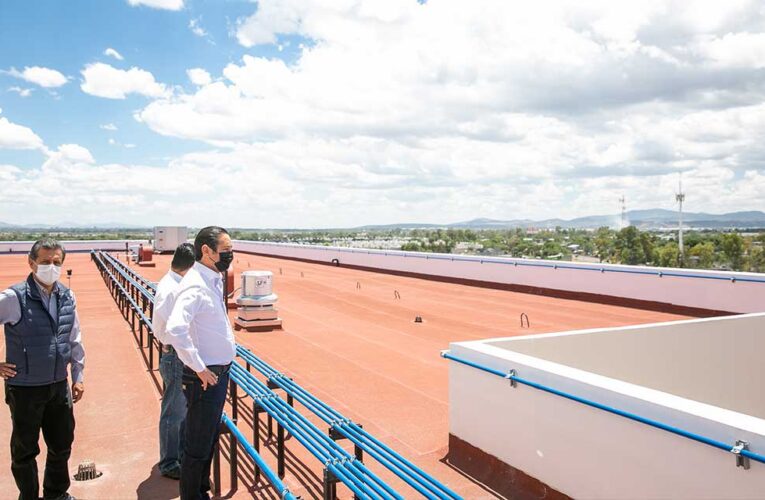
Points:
(623, 202)
(680, 198)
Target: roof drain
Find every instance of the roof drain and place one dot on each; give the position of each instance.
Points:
(87, 471)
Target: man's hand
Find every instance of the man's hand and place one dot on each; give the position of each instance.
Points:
(7, 370)
(78, 390)
(208, 378)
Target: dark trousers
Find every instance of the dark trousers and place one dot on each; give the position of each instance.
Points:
(203, 412)
(47, 407)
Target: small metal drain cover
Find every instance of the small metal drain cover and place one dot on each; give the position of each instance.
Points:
(87, 471)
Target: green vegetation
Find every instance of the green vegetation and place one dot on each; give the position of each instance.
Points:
(708, 249)
(75, 235)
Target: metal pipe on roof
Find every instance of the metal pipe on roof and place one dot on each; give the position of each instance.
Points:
(352, 431)
(300, 427)
(277, 483)
(653, 423)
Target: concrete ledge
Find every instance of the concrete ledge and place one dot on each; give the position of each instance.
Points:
(504, 479)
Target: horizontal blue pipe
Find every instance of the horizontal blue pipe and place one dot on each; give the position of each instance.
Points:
(306, 425)
(277, 483)
(301, 427)
(653, 423)
(133, 281)
(393, 461)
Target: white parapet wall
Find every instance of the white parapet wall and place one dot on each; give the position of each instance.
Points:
(701, 376)
(71, 245)
(711, 290)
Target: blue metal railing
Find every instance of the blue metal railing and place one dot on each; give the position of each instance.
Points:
(653, 423)
(273, 479)
(342, 464)
(415, 477)
(344, 467)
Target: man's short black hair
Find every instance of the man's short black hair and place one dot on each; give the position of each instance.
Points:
(48, 244)
(183, 258)
(207, 236)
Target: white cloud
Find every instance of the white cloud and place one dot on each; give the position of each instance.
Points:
(103, 80)
(199, 76)
(391, 111)
(159, 4)
(109, 126)
(72, 153)
(44, 77)
(23, 92)
(196, 28)
(113, 53)
(549, 109)
(13, 136)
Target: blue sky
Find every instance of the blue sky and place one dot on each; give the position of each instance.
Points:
(68, 35)
(315, 113)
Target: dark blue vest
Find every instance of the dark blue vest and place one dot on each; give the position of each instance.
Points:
(36, 344)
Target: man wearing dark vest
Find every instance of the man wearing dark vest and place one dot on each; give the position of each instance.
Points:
(42, 339)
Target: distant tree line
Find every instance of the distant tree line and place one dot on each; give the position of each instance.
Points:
(708, 249)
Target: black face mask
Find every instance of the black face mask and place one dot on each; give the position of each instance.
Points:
(224, 260)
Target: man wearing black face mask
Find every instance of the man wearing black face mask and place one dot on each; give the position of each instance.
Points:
(199, 331)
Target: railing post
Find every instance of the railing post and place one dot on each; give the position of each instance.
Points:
(280, 450)
(216, 468)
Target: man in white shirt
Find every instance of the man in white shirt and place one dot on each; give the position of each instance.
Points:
(42, 339)
(199, 330)
(173, 409)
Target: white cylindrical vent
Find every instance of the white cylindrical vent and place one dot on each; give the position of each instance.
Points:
(257, 283)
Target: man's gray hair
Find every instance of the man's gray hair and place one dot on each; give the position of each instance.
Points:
(48, 244)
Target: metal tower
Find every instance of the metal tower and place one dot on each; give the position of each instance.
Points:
(624, 212)
(680, 198)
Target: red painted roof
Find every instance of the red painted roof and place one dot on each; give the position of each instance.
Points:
(359, 350)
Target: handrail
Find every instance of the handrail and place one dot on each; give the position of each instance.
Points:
(350, 471)
(344, 467)
(508, 261)
(401, 467)
(121, 269)
(277, 483)
(632, 416)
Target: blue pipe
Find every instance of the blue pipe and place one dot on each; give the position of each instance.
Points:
(305, 427)
(353, 431)
(338, 453)
(357, 435)
(653, 423)
(277, 483)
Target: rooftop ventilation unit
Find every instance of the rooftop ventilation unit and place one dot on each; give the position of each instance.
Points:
(256, 305)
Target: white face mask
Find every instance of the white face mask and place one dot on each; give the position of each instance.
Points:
(48, 273)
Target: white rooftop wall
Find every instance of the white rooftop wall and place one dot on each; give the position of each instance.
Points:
(586, 452)
(713, 290)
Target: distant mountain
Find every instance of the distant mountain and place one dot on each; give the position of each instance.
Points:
(644, 219)
(4, 225)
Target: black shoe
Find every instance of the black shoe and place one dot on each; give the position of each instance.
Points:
(173, 474)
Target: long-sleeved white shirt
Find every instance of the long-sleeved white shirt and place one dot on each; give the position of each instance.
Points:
(164, 299)
(198, 327)
(10, 312)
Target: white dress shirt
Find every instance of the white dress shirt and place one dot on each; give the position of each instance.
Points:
(10, 312)
(198, 327)
(164, 299)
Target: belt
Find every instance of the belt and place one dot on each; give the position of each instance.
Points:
(219, 369)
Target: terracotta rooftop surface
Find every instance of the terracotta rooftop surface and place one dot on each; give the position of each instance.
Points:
(346, 338)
